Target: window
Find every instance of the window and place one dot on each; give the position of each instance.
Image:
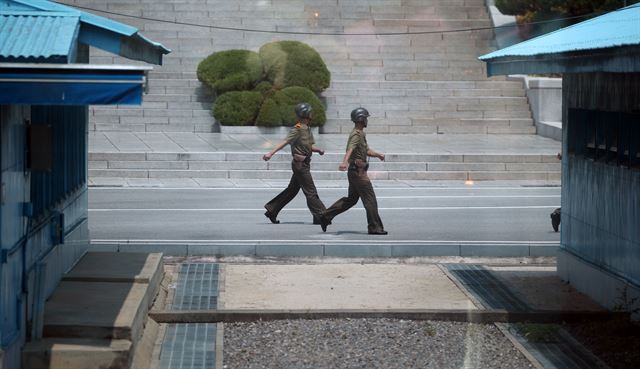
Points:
(609, 137)
(68, 162)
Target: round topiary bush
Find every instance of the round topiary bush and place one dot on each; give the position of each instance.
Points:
(264, 87)
(230, 70)
(279, 109)
(293, 63)
(237, 108)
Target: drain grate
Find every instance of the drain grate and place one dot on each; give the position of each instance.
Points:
(189, 346)
(486, 287)
(197, 287)
(192, 345)
(561, 351)
(557, 351)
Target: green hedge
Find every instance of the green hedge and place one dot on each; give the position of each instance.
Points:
(237, 108)
(230, 70)
(279, 109)
(293, 63)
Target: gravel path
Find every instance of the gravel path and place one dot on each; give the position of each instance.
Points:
(368, 343)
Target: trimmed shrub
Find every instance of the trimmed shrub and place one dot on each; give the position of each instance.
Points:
(230, 70)
(269, 115)
(264, 87)
(293, 63)
(279, 109)
(237, 108)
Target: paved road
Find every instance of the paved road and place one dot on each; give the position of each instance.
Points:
(432, 214)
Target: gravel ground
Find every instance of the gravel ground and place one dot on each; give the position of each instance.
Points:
(368, 343)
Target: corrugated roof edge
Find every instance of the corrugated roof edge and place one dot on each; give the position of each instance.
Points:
(504, 52)
(94, 20)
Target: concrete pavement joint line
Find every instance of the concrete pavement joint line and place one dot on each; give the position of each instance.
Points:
(466, 196)
(328, 188)
(471, 316)
(359, 208)
(314, 242)
(461, 287)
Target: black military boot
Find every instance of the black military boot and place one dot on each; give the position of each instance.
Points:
(272, 217)
(555, 219)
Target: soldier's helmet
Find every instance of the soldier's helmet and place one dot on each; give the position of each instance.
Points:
(358, 114)
(303, 110)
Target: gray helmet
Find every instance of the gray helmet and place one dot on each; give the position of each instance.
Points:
(358, 114)
(303, 110)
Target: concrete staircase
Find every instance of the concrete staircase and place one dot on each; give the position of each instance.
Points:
(97, 316)
(238, 165)
(427, 82)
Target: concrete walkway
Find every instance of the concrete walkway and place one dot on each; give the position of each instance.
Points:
(233, 160)
(180, 142)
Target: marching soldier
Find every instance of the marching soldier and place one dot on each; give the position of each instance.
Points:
(355, 161)
(302, 146)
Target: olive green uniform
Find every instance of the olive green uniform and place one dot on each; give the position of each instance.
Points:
(301, 140)
(359, 184)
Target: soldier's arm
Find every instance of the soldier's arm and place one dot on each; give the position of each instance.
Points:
(345, 161)
(317, 149)
(279, 147)
(375, 154)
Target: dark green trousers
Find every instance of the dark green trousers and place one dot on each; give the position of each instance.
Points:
(360, 187)
(301, 179)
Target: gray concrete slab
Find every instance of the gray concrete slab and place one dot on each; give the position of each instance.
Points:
(340, 286)
(61, 353)
(541, 288)
(96, 310)
(117, 267)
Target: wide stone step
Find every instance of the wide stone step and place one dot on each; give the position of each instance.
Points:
(238, 157)
(331, 175)
(69, 353)
(326, 166)
(336, 93)
(425, 85)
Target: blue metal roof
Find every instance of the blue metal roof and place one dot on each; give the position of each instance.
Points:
(54, 40)
(96, 31)
(618, 28)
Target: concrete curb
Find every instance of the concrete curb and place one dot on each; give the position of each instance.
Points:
(332, 248)
(470, 316)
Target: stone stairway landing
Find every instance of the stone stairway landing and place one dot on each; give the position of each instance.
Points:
(408, 166)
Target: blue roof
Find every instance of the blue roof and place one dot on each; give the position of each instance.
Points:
(618, 28)
(53, 41)
(103, 33)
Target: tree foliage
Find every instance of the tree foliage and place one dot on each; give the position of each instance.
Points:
(540, 10)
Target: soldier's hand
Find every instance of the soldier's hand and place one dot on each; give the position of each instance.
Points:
(321, 152)
(343, 166)
(381, 156)
(267, 156)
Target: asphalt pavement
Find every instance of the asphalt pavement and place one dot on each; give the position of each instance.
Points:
(452, 215)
